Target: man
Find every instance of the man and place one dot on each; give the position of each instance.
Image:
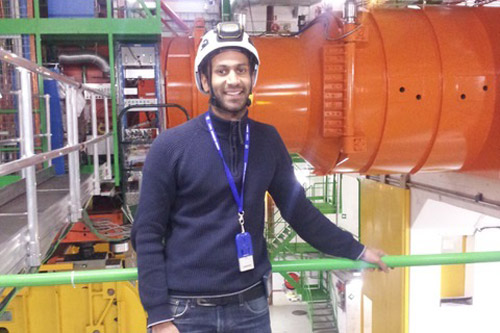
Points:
(198, 232)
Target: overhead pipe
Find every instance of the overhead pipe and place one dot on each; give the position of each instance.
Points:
(173, 15)
(85, 58)
(477, 199)
(130, 274)
(239, 5)
(14, 59)
(165, 23)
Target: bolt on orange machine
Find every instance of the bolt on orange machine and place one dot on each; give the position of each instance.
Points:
(393, 91)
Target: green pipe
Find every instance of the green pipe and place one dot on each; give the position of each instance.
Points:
(76, 277)
(391, 261)
(130, 274)
(116, 162)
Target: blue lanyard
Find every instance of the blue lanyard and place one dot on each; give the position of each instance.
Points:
(238, 198)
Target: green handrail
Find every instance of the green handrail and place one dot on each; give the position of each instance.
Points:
(391, 261)
(130, 274)
(70, 277)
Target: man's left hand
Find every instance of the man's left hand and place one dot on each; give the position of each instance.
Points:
(374, 256)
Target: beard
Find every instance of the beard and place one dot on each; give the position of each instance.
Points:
(230, 105)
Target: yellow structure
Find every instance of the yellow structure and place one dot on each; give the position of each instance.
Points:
(453, 278)
(112, 307)
(385, 224)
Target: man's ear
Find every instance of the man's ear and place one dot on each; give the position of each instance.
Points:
(204, 83)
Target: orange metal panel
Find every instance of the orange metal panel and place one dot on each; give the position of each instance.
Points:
(146, 88)
(180, 88)
(282, 95)
(467, 108)
(413, 90)
(81, 233)
(487, 162)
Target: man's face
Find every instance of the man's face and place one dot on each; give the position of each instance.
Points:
(231, 80)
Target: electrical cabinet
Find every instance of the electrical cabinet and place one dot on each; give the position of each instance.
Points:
(140, 123)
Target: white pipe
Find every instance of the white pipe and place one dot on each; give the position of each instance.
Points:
(29, 150)
(73, 157)
(97, 184)
(47, 121)
(108, 140)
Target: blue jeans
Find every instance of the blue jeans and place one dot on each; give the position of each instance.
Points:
(246, 317)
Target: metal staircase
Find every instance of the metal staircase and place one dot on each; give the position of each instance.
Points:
(280, 237)
(322, 317)
(322, 314)
(283, 245)
(279, 243)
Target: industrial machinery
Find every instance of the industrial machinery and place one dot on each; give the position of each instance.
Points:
(347, 92)
(365, 97)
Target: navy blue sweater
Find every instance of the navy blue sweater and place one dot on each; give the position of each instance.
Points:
(185, 227)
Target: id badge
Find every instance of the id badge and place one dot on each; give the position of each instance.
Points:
(245, 251)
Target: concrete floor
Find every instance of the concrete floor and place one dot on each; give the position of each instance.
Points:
(282, 318)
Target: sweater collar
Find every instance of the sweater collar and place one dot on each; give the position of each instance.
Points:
(224, 128)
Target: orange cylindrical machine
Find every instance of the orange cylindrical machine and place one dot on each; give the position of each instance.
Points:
(402, 91)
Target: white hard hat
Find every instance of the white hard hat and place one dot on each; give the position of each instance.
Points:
(225, 35)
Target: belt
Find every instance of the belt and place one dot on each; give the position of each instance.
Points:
(244, 296)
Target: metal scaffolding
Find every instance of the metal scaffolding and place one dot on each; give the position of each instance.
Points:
(28, 162)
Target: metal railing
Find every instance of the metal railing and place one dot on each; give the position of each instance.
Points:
(130, 274)
(29, 159)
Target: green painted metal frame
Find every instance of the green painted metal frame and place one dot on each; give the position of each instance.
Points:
(301, 248)
(112, 80)
(8, 179)
(296, 158)
(78, 26)
(41, 92)
(359, 209)
(7, 111)
(130, 274)
(226, 10)
(296, 285)
(151, 25)
(111, 28)
(276, 244)
(145, 8)
(283, 239)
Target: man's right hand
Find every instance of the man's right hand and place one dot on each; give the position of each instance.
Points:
(167, 327)
(374, 256)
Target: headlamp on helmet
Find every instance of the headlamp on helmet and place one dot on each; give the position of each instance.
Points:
(227, 31)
